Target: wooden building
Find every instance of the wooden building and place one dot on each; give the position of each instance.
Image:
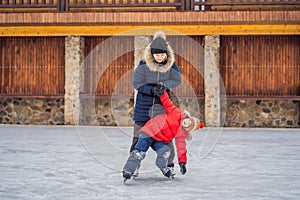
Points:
(256, 47)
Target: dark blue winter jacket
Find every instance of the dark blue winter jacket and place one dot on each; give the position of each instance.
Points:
(146, 75)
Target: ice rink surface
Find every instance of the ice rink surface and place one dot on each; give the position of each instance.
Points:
(69, 162)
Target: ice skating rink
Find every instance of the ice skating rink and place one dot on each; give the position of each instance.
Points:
(82, 162)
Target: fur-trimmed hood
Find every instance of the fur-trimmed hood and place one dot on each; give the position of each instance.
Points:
(152, 65)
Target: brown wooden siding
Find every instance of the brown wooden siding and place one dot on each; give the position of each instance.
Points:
(189, 57)
(261, 66)
(107, 61)
(251, 66)
(32, 66)
(152, 18)
(110, 66)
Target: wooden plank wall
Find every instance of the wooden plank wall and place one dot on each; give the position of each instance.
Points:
(190, 59)
(251, 66)
(261, 66)
(32, 66)
(107, 61)
(107, 73)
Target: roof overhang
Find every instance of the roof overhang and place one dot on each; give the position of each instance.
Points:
(145, 23)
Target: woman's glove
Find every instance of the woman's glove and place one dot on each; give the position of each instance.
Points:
(182, 168)
(161, 85)
(158, 90)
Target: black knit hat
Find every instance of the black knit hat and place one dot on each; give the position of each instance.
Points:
(159, 45)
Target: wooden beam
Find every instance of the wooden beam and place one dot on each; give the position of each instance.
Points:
(291, 29)
(149, 18)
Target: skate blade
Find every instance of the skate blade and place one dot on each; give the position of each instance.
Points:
(134, 176)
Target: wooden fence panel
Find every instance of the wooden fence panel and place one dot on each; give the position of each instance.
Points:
(190, 59)
(32, 66)
(109, 65)
(251, 66)
(261, 66)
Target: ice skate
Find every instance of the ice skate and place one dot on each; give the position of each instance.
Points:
(136, 173)
(172, 172)
(166, 172)
(126, 175)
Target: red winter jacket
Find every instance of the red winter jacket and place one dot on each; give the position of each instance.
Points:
(167, 126)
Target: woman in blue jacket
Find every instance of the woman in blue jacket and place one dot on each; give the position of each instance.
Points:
(157, 68)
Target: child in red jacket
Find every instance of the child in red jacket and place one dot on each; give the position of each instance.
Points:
(158, 132)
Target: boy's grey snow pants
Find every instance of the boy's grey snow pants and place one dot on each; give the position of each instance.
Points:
(136, 133)
(136, 156)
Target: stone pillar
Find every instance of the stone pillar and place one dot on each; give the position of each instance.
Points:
(140, 43)
(74, 77)
(212, 81)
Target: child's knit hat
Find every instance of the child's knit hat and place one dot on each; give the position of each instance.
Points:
(195, 124)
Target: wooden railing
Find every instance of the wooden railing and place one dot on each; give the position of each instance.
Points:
(113, 4)
(32, 5)
(141, 5)
(236, 4)
(86, 5)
